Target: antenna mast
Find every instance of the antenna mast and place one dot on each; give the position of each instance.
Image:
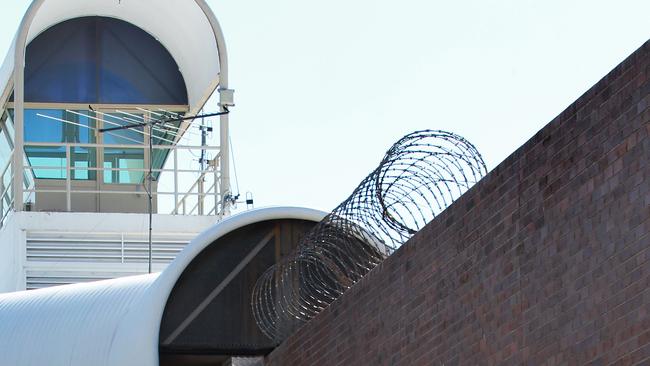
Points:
(150, 123)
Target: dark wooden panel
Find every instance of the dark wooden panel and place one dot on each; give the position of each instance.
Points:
(226, 326)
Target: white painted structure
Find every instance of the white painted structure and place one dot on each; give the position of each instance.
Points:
(107, 323)
(73, 228)
(187, 28)
(42, 249)
(84, 230)
(195, 35)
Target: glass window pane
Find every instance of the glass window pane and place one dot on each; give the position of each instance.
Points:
(129, 136)
(78, 172)
(123, 159)
(56, 125)
(39, 128)
(108, 174)
(5, 148)
(129, 176)
(83, 157)
(163, 135)
(9, 122)
(60, 126)
(28, 177)
(48, 162)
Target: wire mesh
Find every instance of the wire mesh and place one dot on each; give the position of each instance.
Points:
(419, 176)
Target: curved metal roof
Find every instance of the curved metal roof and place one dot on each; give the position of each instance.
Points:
(113, 322)
(66, 325)
(187, 28)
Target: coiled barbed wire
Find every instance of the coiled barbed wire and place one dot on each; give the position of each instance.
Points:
(420, 176)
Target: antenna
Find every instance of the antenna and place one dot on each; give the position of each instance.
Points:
(204, 142)
(202, 163)
(249, 200)
(150, 123)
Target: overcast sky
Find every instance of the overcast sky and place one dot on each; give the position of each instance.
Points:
(324, 88)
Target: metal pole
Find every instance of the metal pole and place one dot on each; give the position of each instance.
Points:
(2, 198)
(225, 159)
(68, 179)
(201, 195)
(175, 212)
(204, 136)
(19, 102)
(19, 110)
(149, 180)
(216, 185)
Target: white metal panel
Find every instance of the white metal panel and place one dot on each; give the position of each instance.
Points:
(26, 234)
(61, 258)
(115, 248)
(114, 322)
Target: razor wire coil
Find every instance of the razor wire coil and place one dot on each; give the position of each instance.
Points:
(419, 177)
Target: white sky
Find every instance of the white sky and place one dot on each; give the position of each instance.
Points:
(324, 88)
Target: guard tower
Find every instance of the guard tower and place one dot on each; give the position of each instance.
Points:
(74, 199)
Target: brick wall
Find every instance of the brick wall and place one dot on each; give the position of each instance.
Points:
(545, 261)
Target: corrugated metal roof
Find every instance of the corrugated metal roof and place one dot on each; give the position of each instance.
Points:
(66, 325)
(113, 322)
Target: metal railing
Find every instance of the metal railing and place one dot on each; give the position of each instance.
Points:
(203, 197)
(6, 199)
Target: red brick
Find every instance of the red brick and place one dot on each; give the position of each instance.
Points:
(545, 261)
